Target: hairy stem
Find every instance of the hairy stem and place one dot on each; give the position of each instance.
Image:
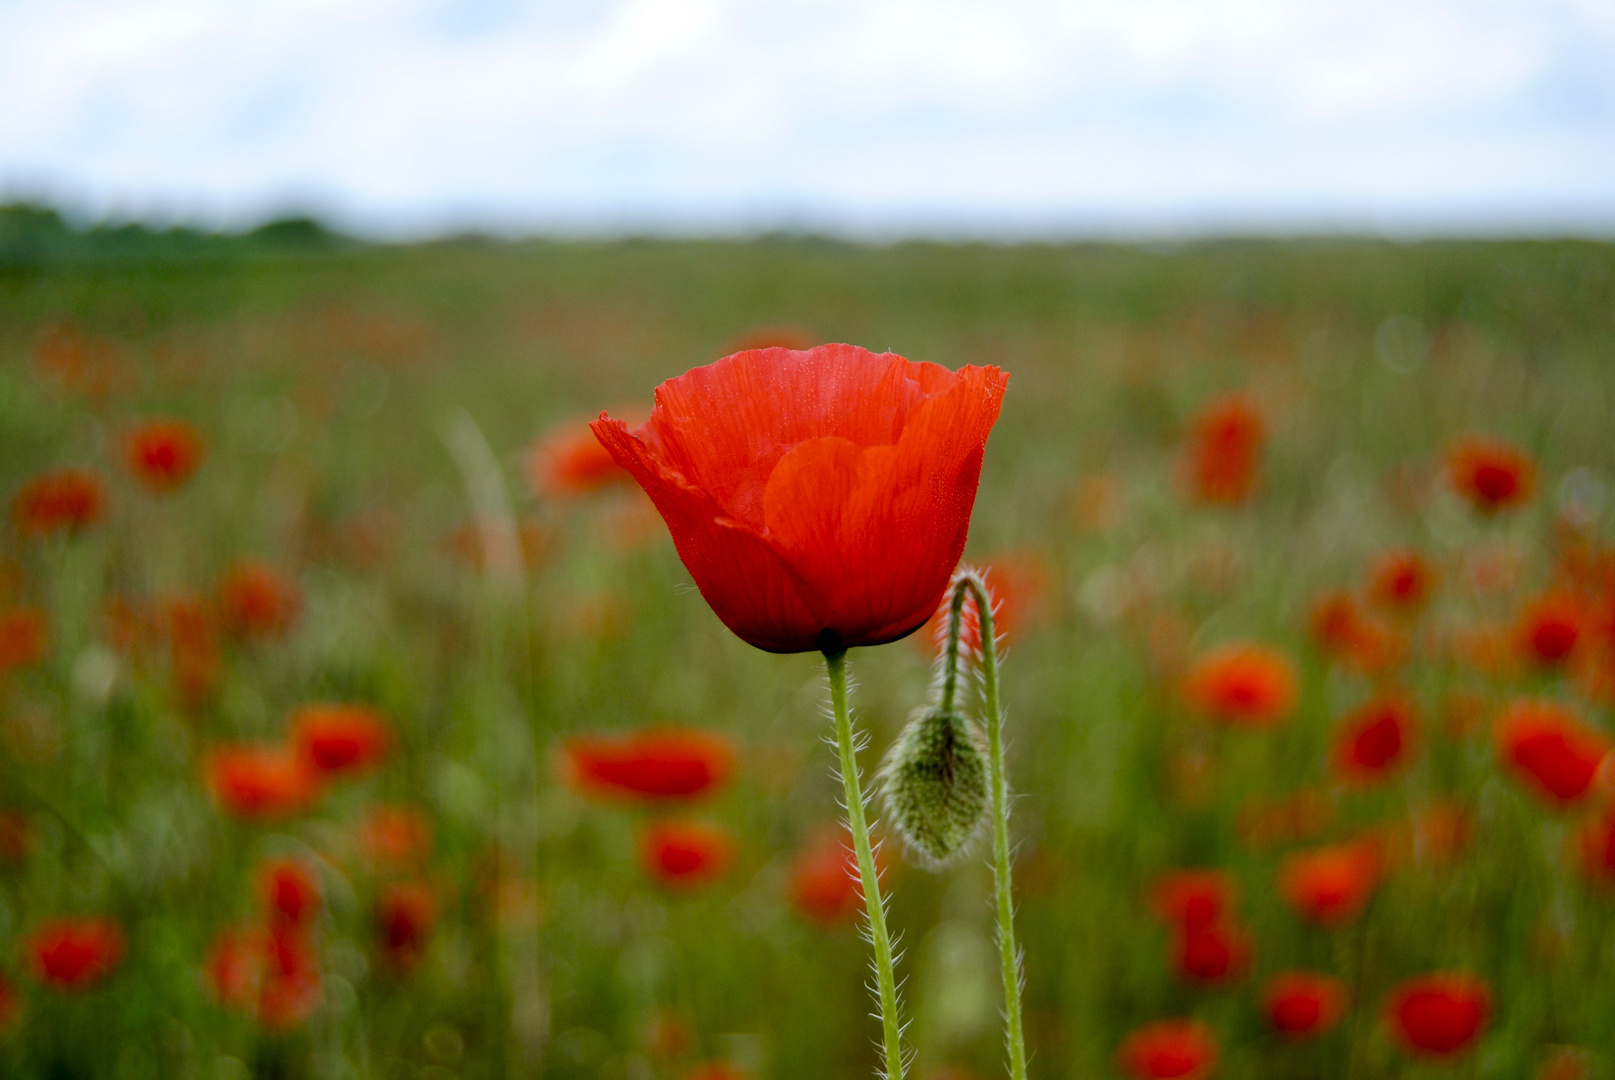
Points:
(869, 878)
(1008, 953)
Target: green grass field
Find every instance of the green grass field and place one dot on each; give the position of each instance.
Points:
(340, 391)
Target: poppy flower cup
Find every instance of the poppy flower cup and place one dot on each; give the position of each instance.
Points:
(819, 498)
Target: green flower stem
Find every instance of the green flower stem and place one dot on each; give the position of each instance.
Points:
(868, 876)
(1008, 953)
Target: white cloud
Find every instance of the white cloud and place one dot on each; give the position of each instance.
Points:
(403, 115)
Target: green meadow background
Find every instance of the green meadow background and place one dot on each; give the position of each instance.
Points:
(335, 384)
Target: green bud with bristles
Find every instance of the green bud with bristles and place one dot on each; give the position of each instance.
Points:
(934, 781)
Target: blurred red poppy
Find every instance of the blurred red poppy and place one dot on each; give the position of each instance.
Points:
(290, 989)
(340, 740)
(1375, 738)
(1402, 581)
(233, 967)
(1243, 684)
(1191, 899)
(258, 783)
(1550, 627)
(1438, 1014)
(1550, 749)
(405, 915)
(1213, 953)
(1224, 450)
(1347, 635)
(64, 500)
(162, 454)
(24, 638)
(820, 499)
(272, 975)
(685, 854)
(291, 896)
(1493, 475)
(1168, 1050)
(824, 886)
(256, 600)
(1301, 1004)
(661, 764)
(395, 835)
(74, 952)
(568, 461)
(1330, 885)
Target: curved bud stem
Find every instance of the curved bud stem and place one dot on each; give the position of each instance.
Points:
(969, 582)
(868, 876)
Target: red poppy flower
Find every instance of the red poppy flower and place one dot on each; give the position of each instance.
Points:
(290, 989)
(1402, 581)
(340, 740)
(66, 500)
(405, 915)
(1300, 1004)
(1168, 1050)
(24, 638)
(1439, 1014)
(685, 854)
(1330, 885)
(820, 499)
(290, 894)
(1493, 475)
(1191, 899)
(1224, 450)
(162, 454)
(1374, 739)
(1553, 752)
(272, 975)
(256, 600)
(395, 836)
(1550, 628)
(1213, 953)
(824, 885)
(1347, 635)
(658, 764)
(258, 783)
(1441, 832)
(570, 461)
(1245, 684)
(74, 953)
(233, 967)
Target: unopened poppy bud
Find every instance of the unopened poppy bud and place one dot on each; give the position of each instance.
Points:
(935, 783)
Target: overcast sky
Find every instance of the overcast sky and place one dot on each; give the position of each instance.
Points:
(1007, 117)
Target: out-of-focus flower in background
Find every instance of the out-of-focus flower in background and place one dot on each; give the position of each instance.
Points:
(162, 454)
(60, 501)
(1492, 474)
(1243, 685)
(74, 952)
(1439, 1015)
(1169, 1050)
